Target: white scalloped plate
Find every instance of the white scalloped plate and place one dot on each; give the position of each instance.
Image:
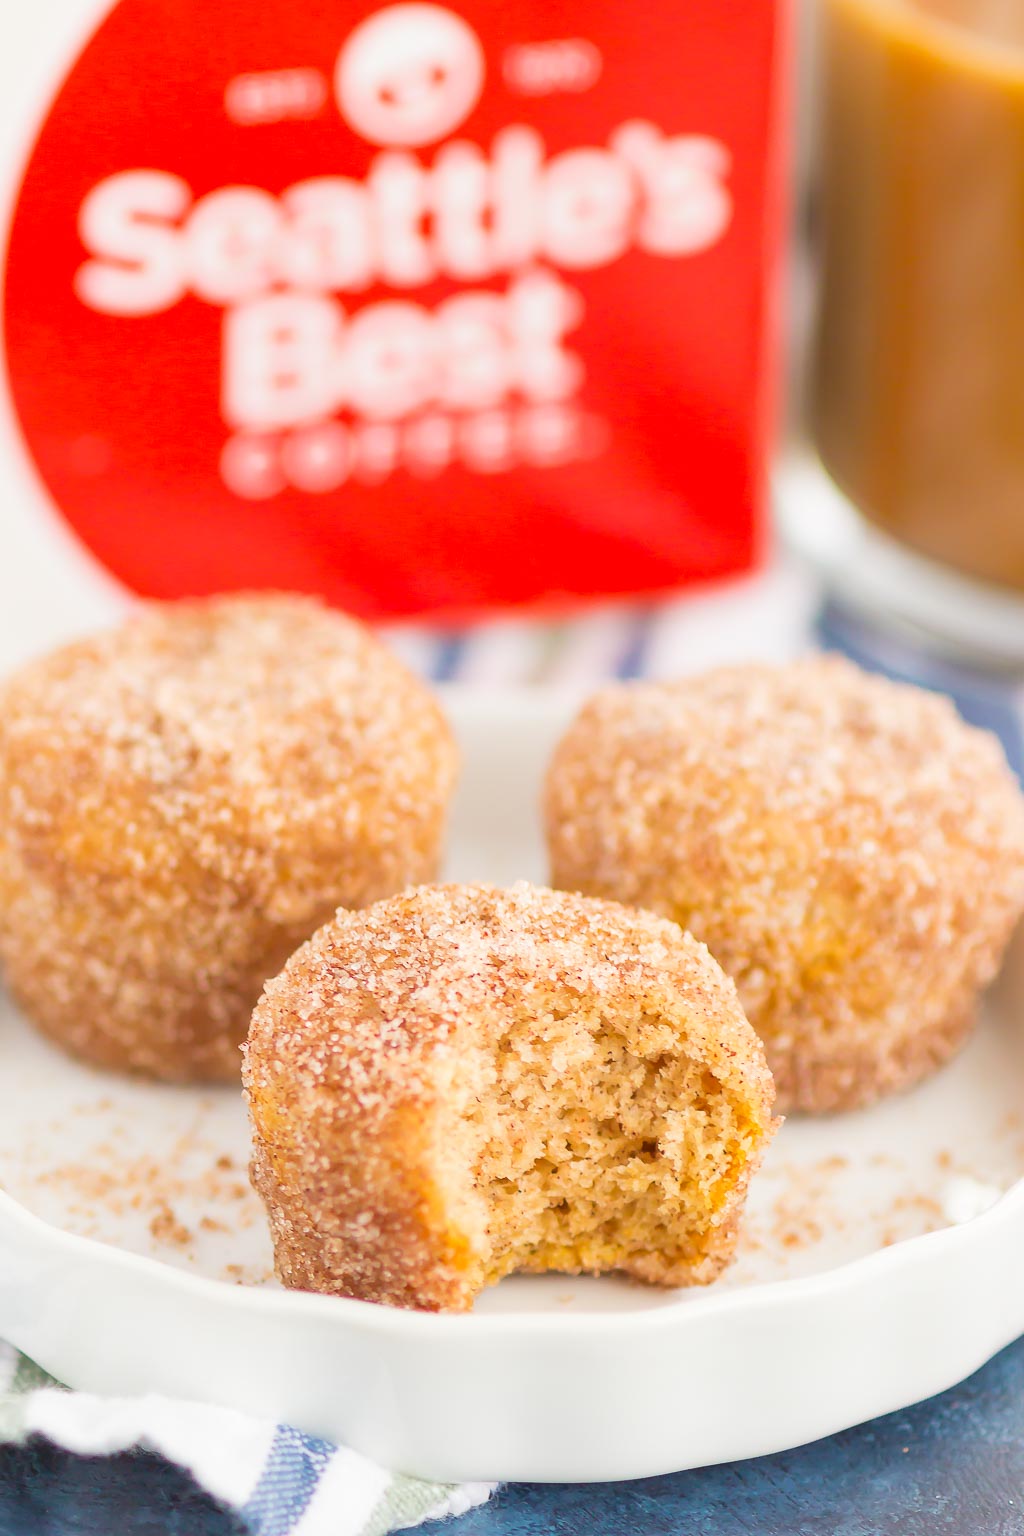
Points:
(133, 1257)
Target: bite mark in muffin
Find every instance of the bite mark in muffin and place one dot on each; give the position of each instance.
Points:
(460, 1083)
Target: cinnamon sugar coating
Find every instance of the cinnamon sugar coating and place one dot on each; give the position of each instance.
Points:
(461, 1082)
(184, 799)
(850, 851)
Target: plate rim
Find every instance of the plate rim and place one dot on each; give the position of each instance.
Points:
(701, 1301)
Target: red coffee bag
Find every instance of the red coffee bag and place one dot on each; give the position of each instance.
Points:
(424, 307)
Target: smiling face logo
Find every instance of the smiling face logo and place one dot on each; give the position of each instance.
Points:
(408, 75)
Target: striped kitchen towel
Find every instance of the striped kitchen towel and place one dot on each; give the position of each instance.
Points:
(278, 1481)
(767, 617)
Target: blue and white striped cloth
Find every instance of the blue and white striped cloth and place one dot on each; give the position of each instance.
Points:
(766, 616)
(277, 1481)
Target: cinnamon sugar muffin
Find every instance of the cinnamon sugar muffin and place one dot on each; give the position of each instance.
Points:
(850, 851)
(184, 799)
(461, 1082)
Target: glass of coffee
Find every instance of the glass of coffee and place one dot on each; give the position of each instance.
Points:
(915, 401)
(916, 398)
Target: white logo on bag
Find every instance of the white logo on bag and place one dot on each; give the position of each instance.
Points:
(409, 75)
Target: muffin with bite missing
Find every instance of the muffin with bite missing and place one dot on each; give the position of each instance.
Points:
(461, 1082)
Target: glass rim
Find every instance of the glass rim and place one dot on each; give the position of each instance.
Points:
(953, 43)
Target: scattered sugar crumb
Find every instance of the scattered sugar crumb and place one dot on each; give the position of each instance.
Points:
(166, 1228)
